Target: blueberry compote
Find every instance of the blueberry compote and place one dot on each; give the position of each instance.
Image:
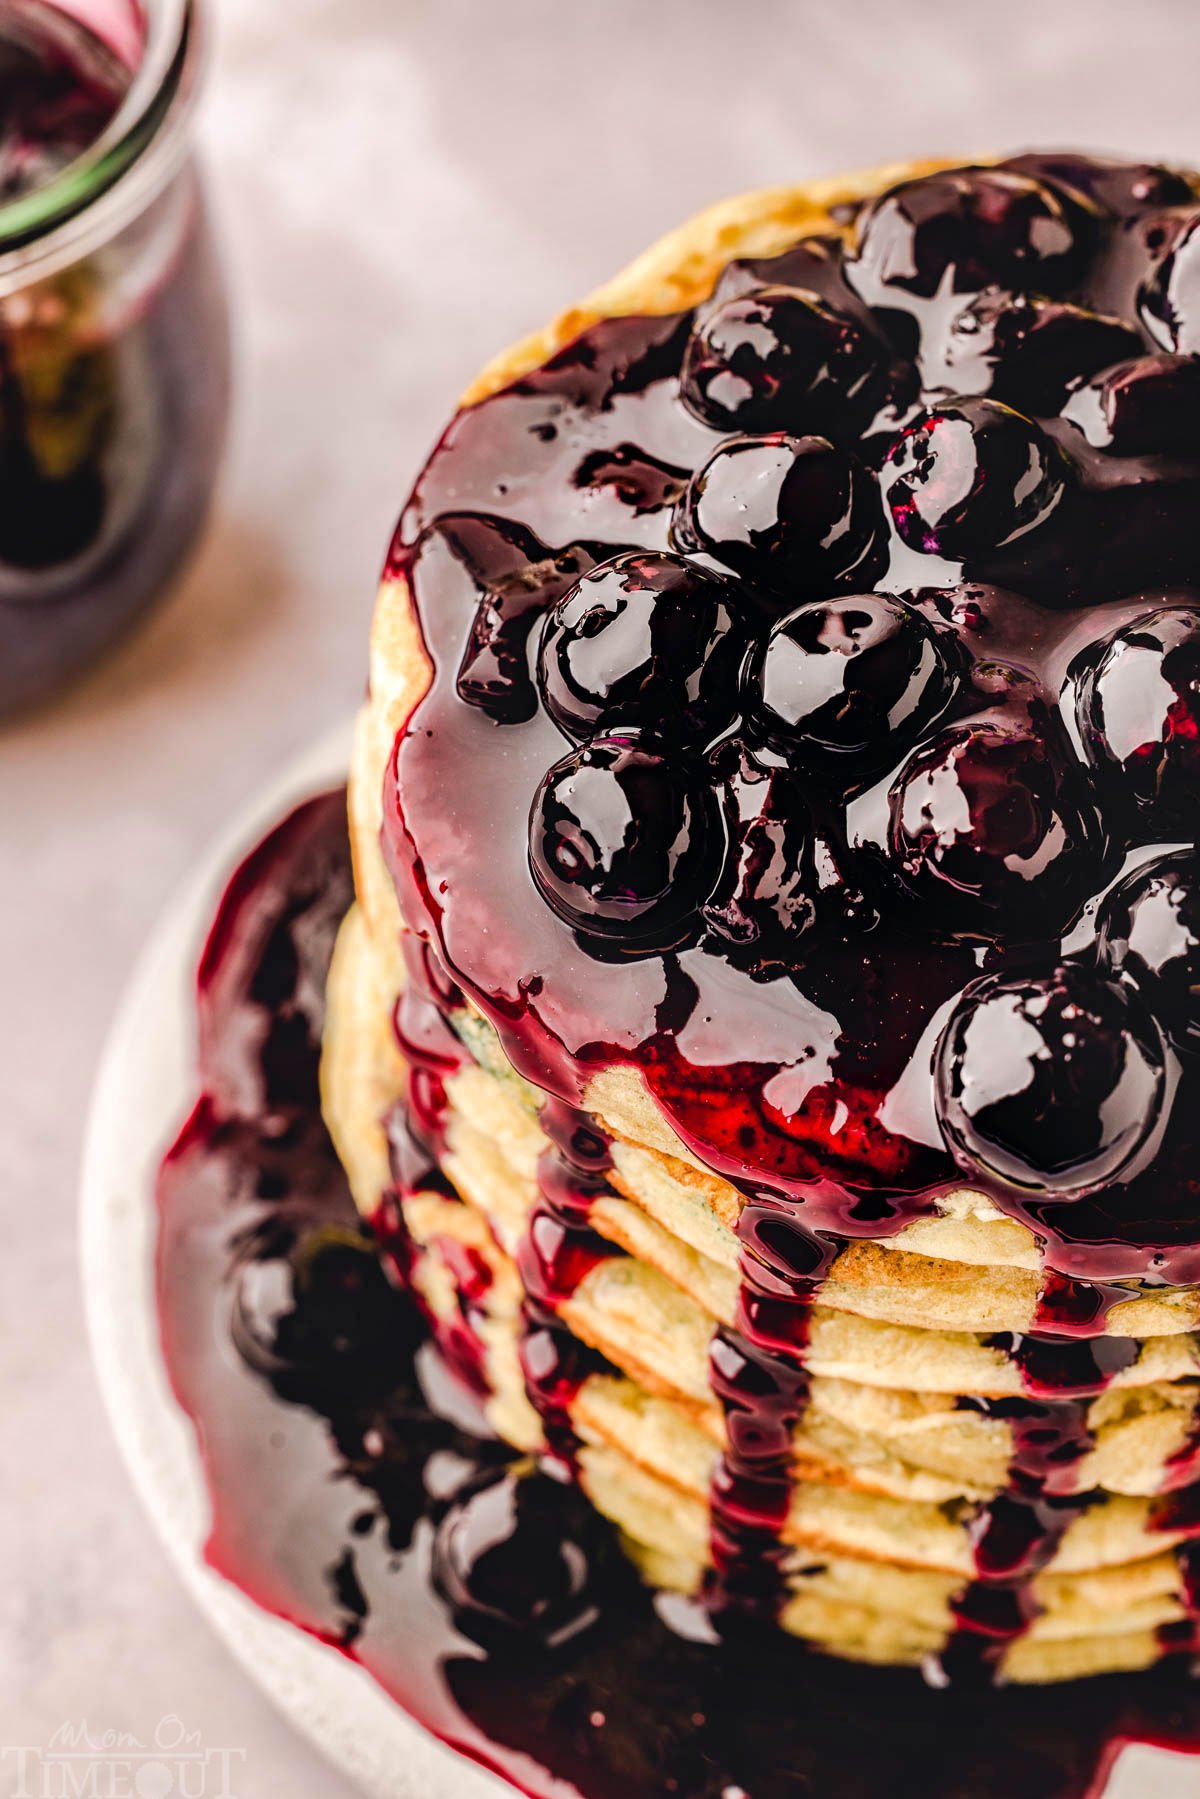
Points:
(486, 1597)
(939, 475)
(943, 767)
(113, 352)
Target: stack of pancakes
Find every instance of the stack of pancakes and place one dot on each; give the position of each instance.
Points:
(890, 1466)
(898, 1448)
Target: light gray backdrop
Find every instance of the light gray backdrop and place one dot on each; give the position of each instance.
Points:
(403, 187)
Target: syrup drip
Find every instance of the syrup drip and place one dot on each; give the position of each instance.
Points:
(1184, 1466)
(762, 1396)
(559, 1248)
(555, 1365)
(1184, 1634)
(432, 1052)
(316, 1400)
(757, 1372)
(559, 1251)
(1017, 1534)
(1069, 1308)
(416, 1129)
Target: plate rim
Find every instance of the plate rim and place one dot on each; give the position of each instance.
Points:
(148, 1057)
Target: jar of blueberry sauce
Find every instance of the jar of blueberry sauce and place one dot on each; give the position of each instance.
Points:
(114, 352)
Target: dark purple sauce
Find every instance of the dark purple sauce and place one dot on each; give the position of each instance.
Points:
(1016, 1534)
(817, 987)
(813, 963)
(59, 88)
(500, 1615)
(791, 1085)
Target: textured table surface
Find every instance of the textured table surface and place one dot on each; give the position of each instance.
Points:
(403, 188)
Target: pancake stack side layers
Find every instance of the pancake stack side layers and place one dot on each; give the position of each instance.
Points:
(766, 1035)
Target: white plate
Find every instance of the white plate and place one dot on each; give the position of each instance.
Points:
(145, 1087)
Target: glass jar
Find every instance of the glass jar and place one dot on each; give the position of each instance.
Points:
(114, 351)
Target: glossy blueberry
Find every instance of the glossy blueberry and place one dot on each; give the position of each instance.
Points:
(962, 231)
(793, 515)
(1169, 298)
(994, 830)
(625, 842)
(971, 477)
(854, 678)
(782, 359)
(1051, 1082)
(1144, 406)
(1137, 704)
(1026, 352)
(508, 1563)
(647, 638)
(1148, 931)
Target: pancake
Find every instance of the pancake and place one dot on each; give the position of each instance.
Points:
(889, 1467)
(844, 1447)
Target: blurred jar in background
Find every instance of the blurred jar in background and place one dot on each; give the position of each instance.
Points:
(114, 355)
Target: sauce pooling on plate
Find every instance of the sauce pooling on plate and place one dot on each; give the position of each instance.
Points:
(488, 1599)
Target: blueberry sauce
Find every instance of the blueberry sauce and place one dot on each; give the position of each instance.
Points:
(431, 1052)
(489, 1600)
(843, 921)
(747, 1068)
(59, 88)
(113, 373)
(559, 1250)
(559, 1247)
(762, 1396)
(1015, 1535)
